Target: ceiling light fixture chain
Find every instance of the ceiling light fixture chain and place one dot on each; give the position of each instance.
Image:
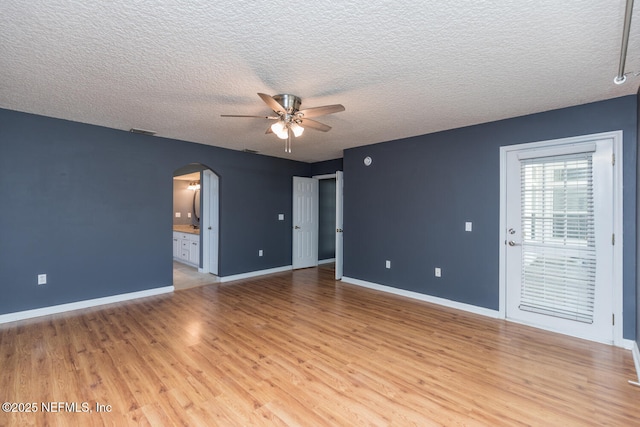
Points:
(287, 145)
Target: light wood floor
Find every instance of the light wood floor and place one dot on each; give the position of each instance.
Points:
(299, 348)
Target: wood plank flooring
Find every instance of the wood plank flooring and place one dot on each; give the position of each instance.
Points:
(299, 349)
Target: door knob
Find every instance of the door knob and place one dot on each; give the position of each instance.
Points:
(209, 228)
(512, 243)
(512, 231)
(296, 227)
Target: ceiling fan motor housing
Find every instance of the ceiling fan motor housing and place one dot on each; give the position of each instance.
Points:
(291, 103)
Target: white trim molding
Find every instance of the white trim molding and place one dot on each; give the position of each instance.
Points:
(326, 176)
(424, 297)
(254, 274)
(326, 261)
(62, 308)
(214, 278)
(636, 358)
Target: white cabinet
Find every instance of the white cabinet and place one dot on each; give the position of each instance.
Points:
(176, 245)
(194, 252)
(186, 248)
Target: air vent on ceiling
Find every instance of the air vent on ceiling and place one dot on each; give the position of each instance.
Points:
(142, 131)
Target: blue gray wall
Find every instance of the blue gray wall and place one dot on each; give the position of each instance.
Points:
(327, 167)
(326, 219)
(92, 208)
(411, 204)
(327, 207)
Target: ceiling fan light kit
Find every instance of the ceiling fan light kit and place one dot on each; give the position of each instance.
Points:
(296, 129)
(290, 118)
(280, 129)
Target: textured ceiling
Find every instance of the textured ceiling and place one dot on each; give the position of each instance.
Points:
(401, 68)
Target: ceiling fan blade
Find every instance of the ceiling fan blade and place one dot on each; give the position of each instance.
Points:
(308, 123)
(255, 117)
(272, 103)
(321, 111)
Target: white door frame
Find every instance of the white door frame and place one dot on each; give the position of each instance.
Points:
(339, 264)
(617, 282)
(339, 258)
(210, 230)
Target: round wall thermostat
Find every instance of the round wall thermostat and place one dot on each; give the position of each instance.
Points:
(367, 161)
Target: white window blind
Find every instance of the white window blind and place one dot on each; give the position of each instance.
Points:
(558, 236)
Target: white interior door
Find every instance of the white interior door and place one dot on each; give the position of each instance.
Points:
(305, 222)
(339, 224)
(558, 238)
(210, 219)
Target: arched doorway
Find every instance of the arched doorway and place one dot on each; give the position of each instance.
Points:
(195, 223)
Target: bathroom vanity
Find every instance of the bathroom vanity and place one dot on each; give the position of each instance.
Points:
(186, 245)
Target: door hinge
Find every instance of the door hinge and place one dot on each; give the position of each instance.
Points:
(613, 159)
(613, 319)
(613, 239)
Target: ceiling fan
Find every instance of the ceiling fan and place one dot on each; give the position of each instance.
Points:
(290, 118)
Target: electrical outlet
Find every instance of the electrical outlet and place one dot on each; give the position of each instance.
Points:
(188, 214)
(438, 272)
(260, 253)
(387, 264)
(42, 279)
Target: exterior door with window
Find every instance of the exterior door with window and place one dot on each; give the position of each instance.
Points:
(559, 252)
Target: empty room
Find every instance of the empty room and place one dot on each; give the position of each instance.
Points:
(319, 213)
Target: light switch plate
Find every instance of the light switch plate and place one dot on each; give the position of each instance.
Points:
(438, 272)
(188, 214)
(387, 264)
(177, 214)
(280, 217)
(468, 226)
(42, 279)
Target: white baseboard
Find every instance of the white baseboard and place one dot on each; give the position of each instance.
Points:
(55, 309)
(254, 274)
(214, 277)
(423, 297)
(636, 358)
(326, 261)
